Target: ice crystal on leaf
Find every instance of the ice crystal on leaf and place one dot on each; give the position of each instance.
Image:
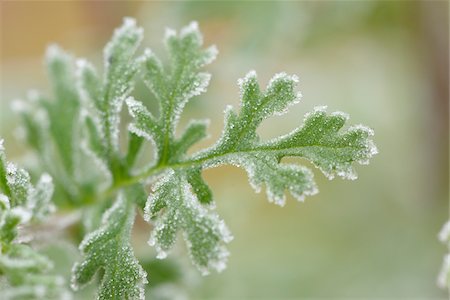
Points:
(175, 208)
(109, 248)
(21, 203)
(86, 114)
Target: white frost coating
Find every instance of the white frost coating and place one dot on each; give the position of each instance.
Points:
(199, 88)
(169, 33)
(283, 76)
(191, 28)
(39, 200)
(2, 148)
(53, 51)
(129, 22)
(129, 25)
(83, 66)
(24, 214)
(321, 108)
(244, 81)
(73, 280)
(340, 114)
(128, 28)
(443, 279)
(16, 263)
(225, 231)
(360, 127)
(185, 211)
(81, 63)
(139, 132)
(46, 178)
(4, 200)
(212, 52)
(148, 52)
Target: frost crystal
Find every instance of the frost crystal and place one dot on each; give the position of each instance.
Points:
(109, 248)
(25, 269)
(176, 208)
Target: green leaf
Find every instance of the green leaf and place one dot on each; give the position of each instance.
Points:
(4, 186)
(15, 182)
(106, 97)
(25, 269)
(173, 85)
(86, 115)
(177, 203)
(176, 208)
(134, 146)
(321, 140)
(318, 140)
(240, 130)
(63, 113)
(109, 248)
(194, 132)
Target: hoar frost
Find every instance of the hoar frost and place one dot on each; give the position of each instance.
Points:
(87, 111)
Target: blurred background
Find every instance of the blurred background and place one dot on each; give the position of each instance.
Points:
(383, 62)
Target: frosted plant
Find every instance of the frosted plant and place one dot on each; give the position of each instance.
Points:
(81, 126)
(22, 204)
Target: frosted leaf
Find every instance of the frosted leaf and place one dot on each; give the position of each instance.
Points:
(319, 140)
(145, 124)
(195, 131)
(277, 177)
(22, 213)
(134, 146)
(22, 266)
(19, 186)
(40, 197)
(105, 96)
(240, 129)
(175, 208)
(35, 123)
(20, 197)
(173, 85)
(88, 83)
(109, 248)
(4, 202)
(63, 112)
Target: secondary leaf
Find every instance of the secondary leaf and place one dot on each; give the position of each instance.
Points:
(175, 209)
(105, 97)
(318, 140)
(109, 248)
(25, 269)
(173, 85)
(63, 113)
